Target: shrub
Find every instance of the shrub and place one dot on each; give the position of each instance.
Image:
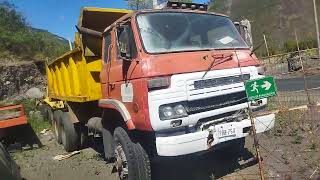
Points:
(291, 45)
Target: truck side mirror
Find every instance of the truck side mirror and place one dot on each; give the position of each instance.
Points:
(124, 44)
(244, 28)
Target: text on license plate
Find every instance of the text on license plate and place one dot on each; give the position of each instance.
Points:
(226, 132)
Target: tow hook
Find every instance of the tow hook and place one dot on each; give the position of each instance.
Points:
(210, 139)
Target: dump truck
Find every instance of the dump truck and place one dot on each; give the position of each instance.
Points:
(154, 83)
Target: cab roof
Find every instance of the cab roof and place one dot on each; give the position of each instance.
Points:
(134, 13)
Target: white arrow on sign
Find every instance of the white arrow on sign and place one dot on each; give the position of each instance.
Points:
(267, 85)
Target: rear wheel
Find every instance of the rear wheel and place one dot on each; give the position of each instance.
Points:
(50, 115)
(69, 136)
(44, 111)
(132, 162)
(56, 125)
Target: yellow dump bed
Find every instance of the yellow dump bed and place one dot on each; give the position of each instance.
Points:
(75, 75)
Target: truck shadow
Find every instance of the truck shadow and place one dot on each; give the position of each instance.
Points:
(208, 166)
(20, 136)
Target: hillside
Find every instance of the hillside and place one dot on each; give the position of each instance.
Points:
(19, 41)
(276, 19)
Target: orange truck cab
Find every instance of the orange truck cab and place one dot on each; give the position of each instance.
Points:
(171, 82)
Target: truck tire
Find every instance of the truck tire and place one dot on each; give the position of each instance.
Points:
(9, 170)
(56, 125)
(50, 115)
(69, 135)
(132, 162)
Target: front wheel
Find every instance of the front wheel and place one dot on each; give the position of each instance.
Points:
(132, 162)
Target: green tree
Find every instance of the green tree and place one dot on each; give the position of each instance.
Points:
(139, 4)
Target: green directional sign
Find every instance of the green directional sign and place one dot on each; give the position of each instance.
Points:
(260, 88)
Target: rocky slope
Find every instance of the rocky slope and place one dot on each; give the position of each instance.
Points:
(16, 79)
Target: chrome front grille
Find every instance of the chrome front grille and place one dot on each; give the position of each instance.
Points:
(216, 102)
(209, 83)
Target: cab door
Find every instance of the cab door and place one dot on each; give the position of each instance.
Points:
(122, 64)
(108, 48)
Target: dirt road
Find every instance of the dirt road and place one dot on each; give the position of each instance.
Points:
(289, 151)
(38, 164)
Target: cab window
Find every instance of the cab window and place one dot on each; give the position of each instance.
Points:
(107, 50)
(126, 47)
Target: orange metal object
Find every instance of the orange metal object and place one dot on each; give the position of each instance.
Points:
(145, 66)
(13, 120)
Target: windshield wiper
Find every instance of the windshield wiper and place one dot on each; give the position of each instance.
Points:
(224, 59)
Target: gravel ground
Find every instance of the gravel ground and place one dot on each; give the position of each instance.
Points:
(38, 164)
(289, 151)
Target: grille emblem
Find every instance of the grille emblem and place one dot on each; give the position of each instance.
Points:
(208, 83)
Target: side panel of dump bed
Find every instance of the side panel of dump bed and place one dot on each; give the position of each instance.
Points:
(74, 77)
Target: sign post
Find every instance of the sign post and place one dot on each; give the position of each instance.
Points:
(259, 89)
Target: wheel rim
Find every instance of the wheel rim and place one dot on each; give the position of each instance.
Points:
(121, 162)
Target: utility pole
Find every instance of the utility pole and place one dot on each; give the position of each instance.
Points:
(317, 26)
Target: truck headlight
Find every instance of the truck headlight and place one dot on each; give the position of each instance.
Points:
(167, 112)
(172, 111)
(179, 110)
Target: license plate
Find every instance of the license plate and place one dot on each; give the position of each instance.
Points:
(226, 132)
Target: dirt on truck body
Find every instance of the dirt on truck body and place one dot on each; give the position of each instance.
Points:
(154, 83)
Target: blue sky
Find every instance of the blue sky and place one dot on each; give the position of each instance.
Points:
(60, 16)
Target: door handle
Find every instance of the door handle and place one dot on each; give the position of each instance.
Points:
(112, 85)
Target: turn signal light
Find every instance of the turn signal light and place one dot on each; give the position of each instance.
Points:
(158, 83)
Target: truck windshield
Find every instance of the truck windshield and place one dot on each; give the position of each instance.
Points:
(172, 32)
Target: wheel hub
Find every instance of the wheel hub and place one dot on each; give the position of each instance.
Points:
(121, 162)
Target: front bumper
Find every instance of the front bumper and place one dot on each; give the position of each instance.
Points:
(198, 141)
